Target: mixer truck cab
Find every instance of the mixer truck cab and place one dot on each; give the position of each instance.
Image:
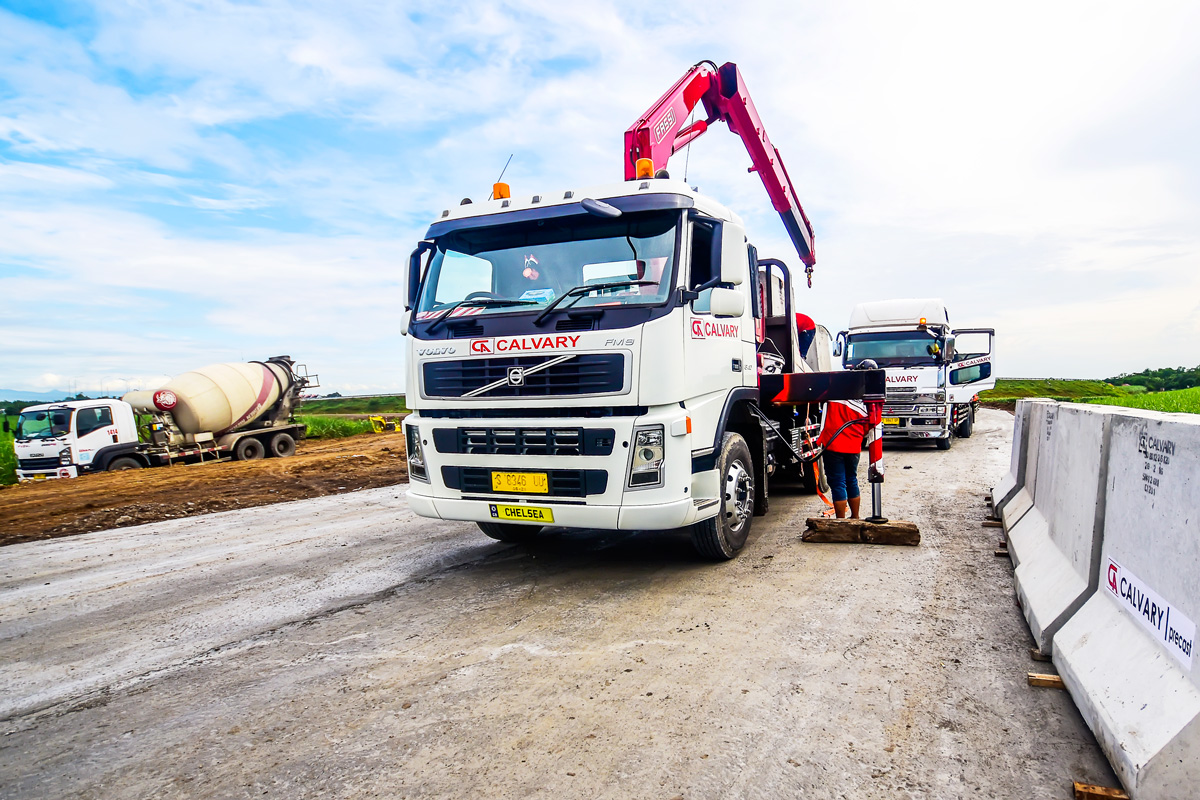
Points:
(588, 359)
(934, 373)
(62, 440)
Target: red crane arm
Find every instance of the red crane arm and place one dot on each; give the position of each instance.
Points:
(660, 132)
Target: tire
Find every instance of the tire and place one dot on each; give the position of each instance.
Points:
(249, 449)
(282, 445)
(508, 532)
(720, 538)
(944, 444)
(964, 429)
(124, 463)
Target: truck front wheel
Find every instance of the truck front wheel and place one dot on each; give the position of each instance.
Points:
(124, 463)
(505, 532)
(965, 427)
(721, 537)
(249, 449)
(283, 445)
(944, 444)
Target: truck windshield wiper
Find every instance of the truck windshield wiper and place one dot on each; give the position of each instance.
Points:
(479, 301)
(583, 289)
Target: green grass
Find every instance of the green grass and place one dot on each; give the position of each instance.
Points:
(8, 458)
(1181, 400)
(1010, 390)
(334, 427)
(393, 404)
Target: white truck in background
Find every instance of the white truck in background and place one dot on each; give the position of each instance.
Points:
(934, 372)
(215, 412)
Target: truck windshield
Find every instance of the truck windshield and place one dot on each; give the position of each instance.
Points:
(43, 424)
(894, 349)
(535, 262)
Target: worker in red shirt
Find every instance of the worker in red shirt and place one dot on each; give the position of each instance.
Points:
(842, 451)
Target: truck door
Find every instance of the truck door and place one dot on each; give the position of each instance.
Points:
(719, 351)
(94, 428)
(970, 371)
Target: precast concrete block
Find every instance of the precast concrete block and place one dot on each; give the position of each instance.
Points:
(1056, 546)
(1032, 434)
(1127, 656)
(1003, 492)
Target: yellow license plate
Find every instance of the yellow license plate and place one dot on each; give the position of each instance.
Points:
(531, 482)
(891, 420)
(522, 513)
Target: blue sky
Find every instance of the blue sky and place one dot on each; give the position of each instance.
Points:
(190, 182)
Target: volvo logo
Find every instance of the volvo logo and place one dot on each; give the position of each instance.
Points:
(516, 376)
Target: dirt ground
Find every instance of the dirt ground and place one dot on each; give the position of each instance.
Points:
(341, 647)
(48, 509)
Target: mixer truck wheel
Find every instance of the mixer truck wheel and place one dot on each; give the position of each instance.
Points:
(283, 445)
(944, 444)
(249, 449)
(124, 463)
(503, 532)
(721, 537)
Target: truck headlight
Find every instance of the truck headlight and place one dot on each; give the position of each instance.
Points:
(645, 468)
(64, 456)
(416, 456)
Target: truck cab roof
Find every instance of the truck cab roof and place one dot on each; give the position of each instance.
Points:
(72, 404)
(904, 313)
(651, 193)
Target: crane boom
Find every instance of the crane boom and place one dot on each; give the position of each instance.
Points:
(660, 132)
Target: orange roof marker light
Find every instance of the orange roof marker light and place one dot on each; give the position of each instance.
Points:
(500, 191)
(645, 168)
(922, 322)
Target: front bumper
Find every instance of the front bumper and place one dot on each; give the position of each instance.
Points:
(24, 475)
(672, 504)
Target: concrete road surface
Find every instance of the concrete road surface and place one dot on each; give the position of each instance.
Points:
(341, 647)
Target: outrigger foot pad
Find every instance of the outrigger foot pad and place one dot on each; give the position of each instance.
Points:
(861, 531)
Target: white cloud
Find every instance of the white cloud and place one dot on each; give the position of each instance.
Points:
(262, 169)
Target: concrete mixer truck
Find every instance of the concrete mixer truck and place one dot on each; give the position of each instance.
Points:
(243, 411)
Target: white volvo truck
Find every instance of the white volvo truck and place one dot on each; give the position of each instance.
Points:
(593, 358)
(934, 373)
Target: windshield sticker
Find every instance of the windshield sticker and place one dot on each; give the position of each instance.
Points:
(531, 265)
(706, 329)
(540, 295)
(530, 344)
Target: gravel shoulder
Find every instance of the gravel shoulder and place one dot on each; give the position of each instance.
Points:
(341, 647)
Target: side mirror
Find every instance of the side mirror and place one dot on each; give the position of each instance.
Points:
(948, 350)
(730, 241)
(7, 427)
(411, 278)
(727, 303)
(838, 344)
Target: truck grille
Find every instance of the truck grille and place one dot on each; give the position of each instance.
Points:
(38, 463)
(525, 441)
(563, 482)
(590, 373)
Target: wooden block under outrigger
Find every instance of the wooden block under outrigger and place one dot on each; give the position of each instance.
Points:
(859, 531)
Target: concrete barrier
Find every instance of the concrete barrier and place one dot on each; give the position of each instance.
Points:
(1127, 655)
(1055, 546)
(1032, 414)
(1003, 492)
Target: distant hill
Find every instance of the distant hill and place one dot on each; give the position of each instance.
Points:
(7, 395)
(1161, 380)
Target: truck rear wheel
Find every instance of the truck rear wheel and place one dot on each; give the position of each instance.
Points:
(507, 532)
(124, 463)
(249, 449)
(721, 537)
(283, 445)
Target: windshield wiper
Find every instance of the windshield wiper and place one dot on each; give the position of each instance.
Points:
(481, 301)
(583, 289)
